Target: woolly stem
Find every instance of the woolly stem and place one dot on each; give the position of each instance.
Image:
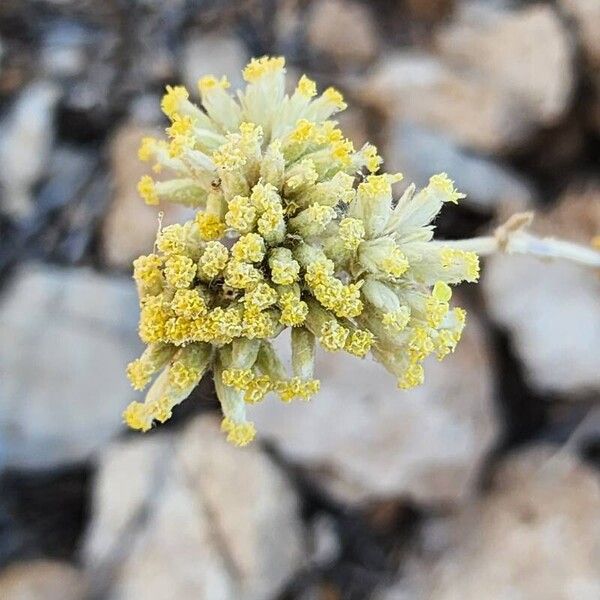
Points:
(511, 238)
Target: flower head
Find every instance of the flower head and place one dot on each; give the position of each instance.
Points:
(294, 229)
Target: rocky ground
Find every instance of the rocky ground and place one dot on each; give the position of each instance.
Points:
(481, 484)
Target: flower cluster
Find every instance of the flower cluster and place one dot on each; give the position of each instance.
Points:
(295, 228)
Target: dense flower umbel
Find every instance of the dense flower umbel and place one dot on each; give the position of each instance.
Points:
(295, 229)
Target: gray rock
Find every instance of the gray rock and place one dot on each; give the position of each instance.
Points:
(551, 309)
(418, 153)
(41, 580)
(363, 438)
(26, 137)
(195, 518)
(215, 54)
(63, 52)
(67, 336)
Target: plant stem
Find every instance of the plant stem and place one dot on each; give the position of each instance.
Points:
(511, 238)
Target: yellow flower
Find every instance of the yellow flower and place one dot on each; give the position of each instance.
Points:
(293, 228)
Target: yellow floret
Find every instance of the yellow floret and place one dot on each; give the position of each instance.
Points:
(147, 272)
(139, 373)
(172, 239)
(213, 260)
(137, 416)
(420, 344)
(258, 324)
(189, 304)
(181, 375)
(147, 147)
(257, 389)
(260, 297)
(335, 97)
(445, 185)
(241, 275)
(249, 248)
(359, 342)
(297, 388)
(372, 159)
(306, 87)
(333, 336)
(239, 379)
(161, 409)
(293, 310)
(467, 261)
(172, 100)
(303, 132)
(210, 227)
(180, 126)
(180, 271)
(241, 214)
(396, 320)
(210, 82)
(258, 67)
(147, 190)
(412, 377)
(351, 232)
(240, 434)
(154, 316)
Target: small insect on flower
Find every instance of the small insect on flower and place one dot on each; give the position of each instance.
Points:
(294, 229)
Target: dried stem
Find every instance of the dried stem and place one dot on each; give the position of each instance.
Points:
(512, 238)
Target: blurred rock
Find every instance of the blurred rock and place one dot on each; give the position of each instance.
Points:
(41, 580)
(343, 31)
(193, 517)
(420, 88)
(63, 53)
(586, 15)
(551, 309)
(211, 53)
(67, 336)
(537, 536)
(498, 76)
(419, 153)
(130, 226)
(26, 137)
(361, 437)
(353, 123)
(526, 52)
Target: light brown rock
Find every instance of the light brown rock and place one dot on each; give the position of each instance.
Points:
(67, 336)
(551, 309)
(130, 226)
(201, 519)
(534, 536)
(496, 78)
(41, 580)
(537, 536)
(344, 31)
(586, 15)
(361, 437)
(420, 88)
(525, 52)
